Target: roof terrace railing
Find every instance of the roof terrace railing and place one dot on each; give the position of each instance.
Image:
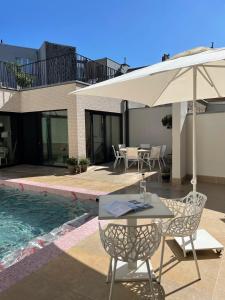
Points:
(54, 70)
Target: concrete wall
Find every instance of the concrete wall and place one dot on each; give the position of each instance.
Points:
(146, 127)
(9, 100)
(210, 145)
(10, 52)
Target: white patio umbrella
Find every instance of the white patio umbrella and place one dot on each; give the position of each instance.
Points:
(190, 76)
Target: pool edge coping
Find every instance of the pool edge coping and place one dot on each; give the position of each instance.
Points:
(38, 259)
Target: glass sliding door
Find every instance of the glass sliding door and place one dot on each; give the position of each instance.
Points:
(102, 131)
(9, 139)
(54, 137)
(98, 138)
(113, 134)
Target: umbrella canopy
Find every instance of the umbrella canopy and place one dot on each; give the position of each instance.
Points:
(195, 74)
(169, 81)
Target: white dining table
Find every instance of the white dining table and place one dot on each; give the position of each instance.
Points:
(133, 271)
(140, 150)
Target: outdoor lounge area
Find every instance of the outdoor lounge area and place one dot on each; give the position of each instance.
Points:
(84, 263)
(112, 165)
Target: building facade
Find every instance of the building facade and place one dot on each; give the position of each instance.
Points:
(41, 122)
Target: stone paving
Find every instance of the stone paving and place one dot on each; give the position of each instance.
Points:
(79, 272)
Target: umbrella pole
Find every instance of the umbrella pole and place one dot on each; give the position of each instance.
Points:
(194, 178)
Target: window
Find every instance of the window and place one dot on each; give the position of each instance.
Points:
(23, 61)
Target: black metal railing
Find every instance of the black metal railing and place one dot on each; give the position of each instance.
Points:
(54, 70)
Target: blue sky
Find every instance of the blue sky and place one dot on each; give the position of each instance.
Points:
(141, 30)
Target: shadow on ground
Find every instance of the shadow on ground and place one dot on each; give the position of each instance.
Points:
(66, 278)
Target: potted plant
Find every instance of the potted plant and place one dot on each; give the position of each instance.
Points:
(165, 173)
(71, 164)
(83, 163)
(167, 121)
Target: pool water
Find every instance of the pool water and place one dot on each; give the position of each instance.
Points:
(27, 215)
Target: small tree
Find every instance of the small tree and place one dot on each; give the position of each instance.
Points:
(23, 79)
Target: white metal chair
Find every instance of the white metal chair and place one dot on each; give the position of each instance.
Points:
(121, 146)
(187, 212)
(162, 154)
(118, 157)
(133, 156)
(129, 243)
(153, 156)
(145, 146)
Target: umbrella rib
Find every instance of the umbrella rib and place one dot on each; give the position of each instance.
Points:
(207, 73)
(182, 73)
(205, 77)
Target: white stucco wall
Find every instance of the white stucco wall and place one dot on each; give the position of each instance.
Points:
(179, 112)
(146, 127)
(210, 144)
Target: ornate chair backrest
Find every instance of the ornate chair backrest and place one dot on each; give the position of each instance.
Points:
(132, 153)
(130, 243)
(155, 152)
(191, 208)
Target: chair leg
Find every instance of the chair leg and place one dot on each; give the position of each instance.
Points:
(195, 257)
(164, 162)
(149, 164)
(150, 279)
(126, 165)
(115, 162)
(109, 275)
(113, 279)
(183, 247)
(159, 165)
(161, 259)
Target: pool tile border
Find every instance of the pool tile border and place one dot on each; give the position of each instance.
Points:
(41, 257)
(32, 263)
(71, 192)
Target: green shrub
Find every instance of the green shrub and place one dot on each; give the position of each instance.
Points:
(167, 121)
(84, 161)
(72, 161)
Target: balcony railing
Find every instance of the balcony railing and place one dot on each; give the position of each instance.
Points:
(54, 70)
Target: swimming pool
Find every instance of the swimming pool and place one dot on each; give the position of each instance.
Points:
(25, 216)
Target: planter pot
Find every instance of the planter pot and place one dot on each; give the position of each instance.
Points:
(77, 169)
(83, 168)
(166, 177)
(71, 169)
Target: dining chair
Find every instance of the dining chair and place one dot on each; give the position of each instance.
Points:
(129, 243)
(132, 156)
(187, 215)
(162, 154)
(145, 146)
(154, 156)
(121, 146)
(118, 156)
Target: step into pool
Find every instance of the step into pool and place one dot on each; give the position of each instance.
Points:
(28, 216)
